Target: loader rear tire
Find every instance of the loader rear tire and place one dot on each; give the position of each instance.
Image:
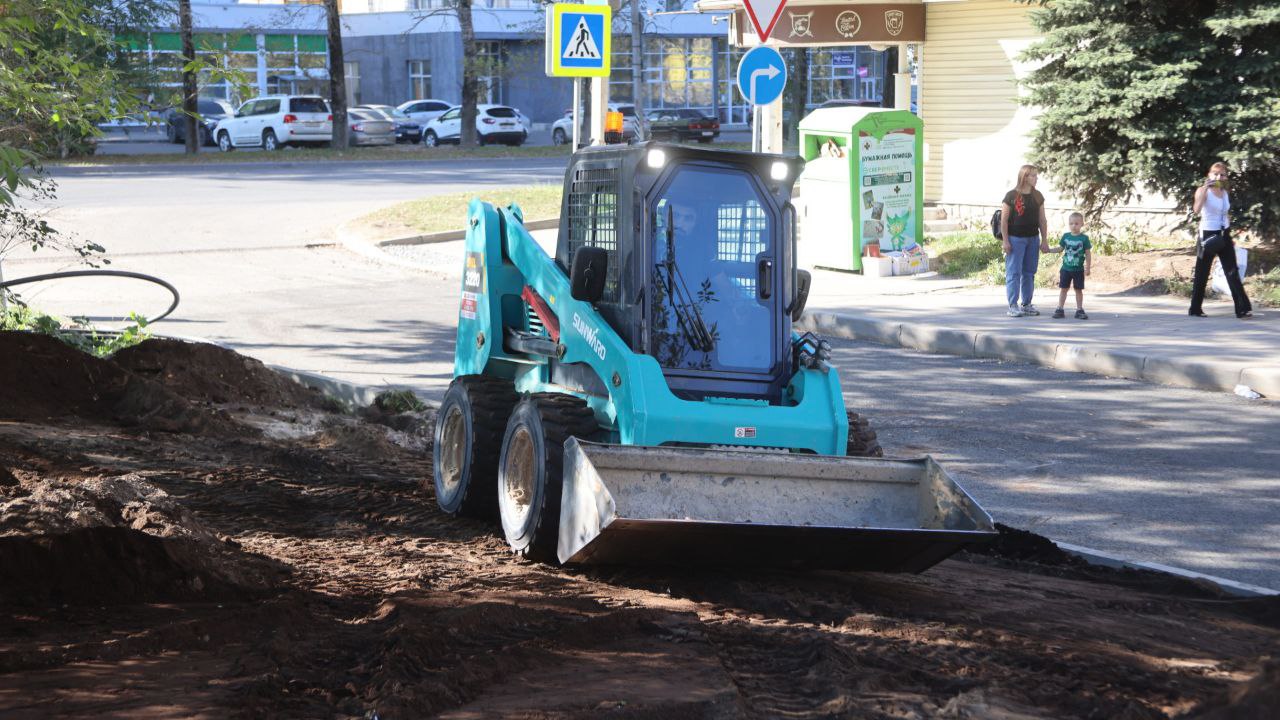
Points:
(531, 470)
(862, 439)
(468, 438)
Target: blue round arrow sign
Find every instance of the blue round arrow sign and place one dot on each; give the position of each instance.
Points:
(762, 75)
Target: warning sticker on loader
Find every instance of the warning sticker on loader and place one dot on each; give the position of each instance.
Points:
(472, 285)
(473, 273)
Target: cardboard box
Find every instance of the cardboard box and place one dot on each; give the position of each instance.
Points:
(912, 264)
(878, 266)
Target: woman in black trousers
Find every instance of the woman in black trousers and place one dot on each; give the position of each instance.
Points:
(1213, 204)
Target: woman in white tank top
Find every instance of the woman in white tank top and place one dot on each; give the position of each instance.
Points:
(1213, 204)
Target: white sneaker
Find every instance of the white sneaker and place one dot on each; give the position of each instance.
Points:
(1030, 309)
(1014, 311)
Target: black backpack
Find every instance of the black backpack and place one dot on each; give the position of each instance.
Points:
(995, 224)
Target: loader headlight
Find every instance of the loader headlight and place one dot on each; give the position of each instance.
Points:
(779, 171)
(656, 158)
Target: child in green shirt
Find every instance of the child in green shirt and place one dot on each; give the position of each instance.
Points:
(1077, 260)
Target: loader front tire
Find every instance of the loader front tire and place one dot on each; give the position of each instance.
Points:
(531, 470)
(862, 439)
(468, 437)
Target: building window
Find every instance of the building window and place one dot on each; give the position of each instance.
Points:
(845, 73)
(351, 73)
(419, 79)
(678, 73)
(489, 71)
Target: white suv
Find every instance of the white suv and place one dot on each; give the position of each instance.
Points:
(274, 121)
(494, 124)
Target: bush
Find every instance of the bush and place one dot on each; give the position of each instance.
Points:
(398, 401)
(77, 334)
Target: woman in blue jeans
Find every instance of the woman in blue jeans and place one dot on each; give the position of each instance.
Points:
(1025, 233)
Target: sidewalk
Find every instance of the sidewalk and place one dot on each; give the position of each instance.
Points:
(1136, 337)
(1148, 338)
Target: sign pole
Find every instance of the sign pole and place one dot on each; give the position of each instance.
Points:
(771, 127)
(578, 44)
(577, 114)
(599, 108)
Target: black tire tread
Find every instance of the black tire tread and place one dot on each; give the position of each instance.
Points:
(862, 439)
(492, 400)
(562, 417)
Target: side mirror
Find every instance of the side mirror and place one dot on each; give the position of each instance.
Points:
(589, 271)
(803, 281)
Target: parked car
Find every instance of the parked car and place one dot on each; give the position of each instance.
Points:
(407, 129)
(524, 121)
(370, 127)
(275, 121)
(633, 128)
(424, 111)
(494, 124)
(211, 111)
(683, 124)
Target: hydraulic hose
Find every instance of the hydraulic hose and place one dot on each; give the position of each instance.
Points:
(102, 273)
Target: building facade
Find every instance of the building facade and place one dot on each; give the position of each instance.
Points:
(399, 50)
(278, 48)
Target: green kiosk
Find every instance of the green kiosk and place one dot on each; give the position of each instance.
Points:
(862, 184)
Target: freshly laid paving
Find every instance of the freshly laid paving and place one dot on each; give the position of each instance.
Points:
(241, 552)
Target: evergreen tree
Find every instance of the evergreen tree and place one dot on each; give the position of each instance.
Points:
(1138, 94)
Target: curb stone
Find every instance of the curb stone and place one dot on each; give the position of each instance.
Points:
(1159, 369)
(451, 235)
(354, 393)
(1105, 559)
(348, 392)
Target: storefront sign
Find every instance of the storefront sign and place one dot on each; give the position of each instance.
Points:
(819, 25)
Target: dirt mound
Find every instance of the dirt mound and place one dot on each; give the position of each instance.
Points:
(114, 539)
(1257, 699)
(56, 380)
(200, 371)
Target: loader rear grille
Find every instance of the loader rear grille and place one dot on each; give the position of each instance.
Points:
(593, 217)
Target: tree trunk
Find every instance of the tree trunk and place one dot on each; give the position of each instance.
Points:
(189, 89)
(337, 76)
(637, 58)
(470, 65)
(799, 82)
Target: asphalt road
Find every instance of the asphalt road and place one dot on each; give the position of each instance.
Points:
(1155, 473)
(1161, 474)
(144, 209)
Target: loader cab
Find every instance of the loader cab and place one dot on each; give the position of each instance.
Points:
(701, 266)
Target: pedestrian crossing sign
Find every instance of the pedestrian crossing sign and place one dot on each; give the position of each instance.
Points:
(578, 40)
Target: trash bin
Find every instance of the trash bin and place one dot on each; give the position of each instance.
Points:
(862, 184)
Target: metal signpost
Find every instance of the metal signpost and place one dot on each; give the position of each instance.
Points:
(762, 75)
(766, 125)
(578, 45)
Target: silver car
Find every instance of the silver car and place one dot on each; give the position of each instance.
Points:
(369, 127)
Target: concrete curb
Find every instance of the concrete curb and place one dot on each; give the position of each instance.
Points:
(1230, 587)
(451, 235)
(1159, 369)
(348, 392)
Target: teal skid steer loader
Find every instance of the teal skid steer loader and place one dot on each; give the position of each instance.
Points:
(641, 396)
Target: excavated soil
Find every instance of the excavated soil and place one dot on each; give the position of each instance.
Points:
(289, 564)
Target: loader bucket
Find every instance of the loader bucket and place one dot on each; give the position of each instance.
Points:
(681, 506)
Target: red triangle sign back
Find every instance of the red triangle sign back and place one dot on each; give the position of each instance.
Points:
(764, 15)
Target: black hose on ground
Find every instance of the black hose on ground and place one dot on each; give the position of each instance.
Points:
(102, 273)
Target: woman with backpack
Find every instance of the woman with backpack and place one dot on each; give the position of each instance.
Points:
(1024, 235)
(1213, 205)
